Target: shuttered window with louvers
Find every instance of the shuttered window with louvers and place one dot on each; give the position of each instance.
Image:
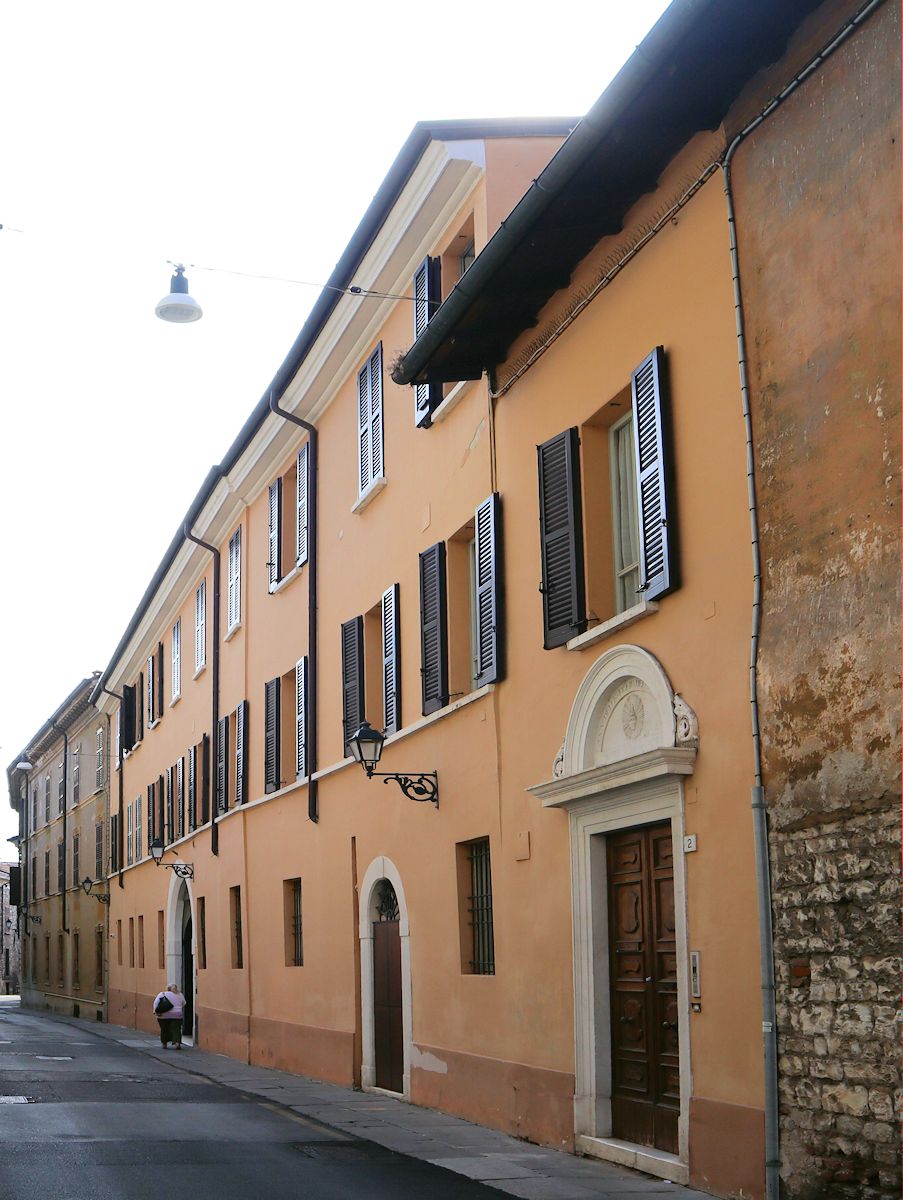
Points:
(169, 835)
(180, 797)
(241, 753)
(352, 679)
(176, 660)
(488, 594)
(151, 813)
(192, 787)
(302, 493)
(205, 779)
(274, 533)
(657, 526)
(370, 420)
(301, 718)
(200, 625)
(151, 691)
(427, 396)
(391, 656)
(128, 733)
(271, 735)
(561, 539)
(222, 764)
(234, 596)
(433, 628)
(139, 706)
(158, 686)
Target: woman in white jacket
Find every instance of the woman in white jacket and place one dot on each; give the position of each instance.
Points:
(171, 1017)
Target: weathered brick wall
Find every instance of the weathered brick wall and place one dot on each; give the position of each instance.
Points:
(817, 189)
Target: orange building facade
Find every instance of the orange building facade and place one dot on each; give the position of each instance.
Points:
(504, 520)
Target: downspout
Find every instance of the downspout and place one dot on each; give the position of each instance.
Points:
(60, 729)
(313, 810)
(758, 804)
(214, 738)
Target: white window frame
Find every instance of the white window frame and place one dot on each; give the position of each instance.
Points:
(150, 685)
(234, 598)
(200, 626)
(130, 817)
(370, 423)
(302, 471)
(137, 829)
(625, 595)
(176, 661)
(98, 773)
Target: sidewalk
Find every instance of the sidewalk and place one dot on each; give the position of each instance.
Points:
(502, 1162)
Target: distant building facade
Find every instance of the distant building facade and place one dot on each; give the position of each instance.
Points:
(9, 934)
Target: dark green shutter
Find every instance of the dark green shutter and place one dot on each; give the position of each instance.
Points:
(241, 752)
(139, 708)
(352, 679)
(488, 588)
(205, 779)
(222, 761)
(391, 656)
(159, 685)
(657, 525)
(561, 539)
(427, 292)
(271, 735)
(127, 732)
(433, 629)
(274, 539)
(151, 813)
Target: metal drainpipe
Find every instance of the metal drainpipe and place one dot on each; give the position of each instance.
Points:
(313, 809)
(214, 738)
(60, 729)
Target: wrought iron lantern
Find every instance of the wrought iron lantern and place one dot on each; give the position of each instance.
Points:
(367, 748)
(182, 870)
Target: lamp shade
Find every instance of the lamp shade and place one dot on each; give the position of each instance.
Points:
(367, 745)
(157, 849)
(24, 765)
(178, 307)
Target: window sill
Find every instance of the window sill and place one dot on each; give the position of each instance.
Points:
(629, 616)
(199, 672)
(175, 700)
(153, 724)
(372, 490)
(452, 400)
(285, 580)
(230, 634)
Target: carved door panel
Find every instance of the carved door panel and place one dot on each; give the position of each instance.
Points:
(643, 964)
(387, 1010)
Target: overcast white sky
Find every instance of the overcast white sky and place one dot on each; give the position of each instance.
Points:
(245, 137)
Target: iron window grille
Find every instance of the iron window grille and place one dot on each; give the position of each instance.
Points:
(297, 928)
(480, 910)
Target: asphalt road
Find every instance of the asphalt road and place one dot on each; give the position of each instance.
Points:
(85, 1118)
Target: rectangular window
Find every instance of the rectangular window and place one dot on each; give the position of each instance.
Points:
(34, 808)
(98, 959)
(625, 533)
(175, 668)
(141, 941)
(180, 797)
(221, 772)
(302, 493)
(34, 875)
(301, 718)
(47, 798)
(475, 890)
(60, 864)
(75, 872)
(235, 915)
(427, 296)
(294, 936)
(161, 940)
(98, 850)
(115, 854)
(202, 932)
(241, 753)
(274, 533)
(352, 679)
(98, 772)
(119, 943)
(200, 626)
(234, 599)
(370, 420)
(151, 691)
(130, 834)
(61, 960)
(76, 774)
(167, 833)
(271, 731)
(433, 628)
(46, 872)
(192, 787)
(391, 659)
(131, 941)
(118, 736)
(47, 957)
(60, 786)
(138, 847)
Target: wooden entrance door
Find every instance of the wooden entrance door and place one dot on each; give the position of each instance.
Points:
(387, 1023)
(645, 1100)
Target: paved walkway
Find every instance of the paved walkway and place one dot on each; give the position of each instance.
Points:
(502, 1162)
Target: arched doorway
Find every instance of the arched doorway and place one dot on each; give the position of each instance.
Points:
(386, 1020)
(180, 949)
(187, 981)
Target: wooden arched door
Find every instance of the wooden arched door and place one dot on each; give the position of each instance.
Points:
(387, 996)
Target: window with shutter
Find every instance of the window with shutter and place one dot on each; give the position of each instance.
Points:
(170, 833)
(139, 706)
(488, 595)
(151, 691)
(391, 660)
(301, 718)
(130, 834)
(114, 843)
(370, 420)
(139, 849)
(200, 626)
(658, 564)
(158, 688)
(241, 753)
(234, 597)
(205, 779)
(274, 533)
(302, 493)
(101, 757)
(427, 292)
(222, 764)
(433, 629)
(271, 735)
(176, 663)
(151, 813)
(180, 797)
(561, 539)
(160, 811)
(192, 787)
(352, 679)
